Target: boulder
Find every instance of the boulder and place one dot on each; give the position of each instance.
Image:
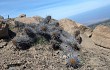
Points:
(85, 30)
(71, 27)
(22, 15)
(29, 20)
(3, 30)
(38, 19)
(68, 25)
(101, 36)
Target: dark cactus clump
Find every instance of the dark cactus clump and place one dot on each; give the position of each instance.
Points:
(20, 26)
(5, 32)
(53, 33)
(23, 42)
(30, 32)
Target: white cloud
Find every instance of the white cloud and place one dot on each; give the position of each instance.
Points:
(71, 10)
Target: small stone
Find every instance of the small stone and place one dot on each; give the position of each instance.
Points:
(64, 56)
(3, 44)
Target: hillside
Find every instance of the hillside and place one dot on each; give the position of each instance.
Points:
(36, 43)
(105, 23)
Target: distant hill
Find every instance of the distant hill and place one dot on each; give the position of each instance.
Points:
(105, 23)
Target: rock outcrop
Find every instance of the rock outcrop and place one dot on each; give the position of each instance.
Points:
(85, 30)
(3, 30)
(22, 15)
(71, 27)
(101, 36)
(68, 25)
(29, 20)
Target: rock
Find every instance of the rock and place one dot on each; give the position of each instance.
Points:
(29, 20)
(88, 32)
(85, 30)
(47, 19)
(38, 18)
(68, 25)
(22, 15)
(101, 36)
(3, 44)
(3, 30)
(71, 27)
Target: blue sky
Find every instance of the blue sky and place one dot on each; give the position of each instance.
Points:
(82, 11)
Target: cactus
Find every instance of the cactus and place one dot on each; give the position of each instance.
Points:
(77, 36)
(33, 25)
(19, 25)
(22, 42)
(53, 33)
(43, 28)
(30, 32)
(47, 19)
(4, 28)
(55, 23)
(73, 60)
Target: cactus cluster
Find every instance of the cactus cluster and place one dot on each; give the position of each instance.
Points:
(22, 42)
(19, 25)
(5, 32)
(59, 38)
(73, 60)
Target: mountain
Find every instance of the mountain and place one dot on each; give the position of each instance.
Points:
(104, 22)
(88, 17)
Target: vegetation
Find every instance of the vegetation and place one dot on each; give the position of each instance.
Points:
(47, 32)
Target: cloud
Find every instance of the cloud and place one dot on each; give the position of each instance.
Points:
(57, 8)
(13, 7)
(68, 10)
(64, 11)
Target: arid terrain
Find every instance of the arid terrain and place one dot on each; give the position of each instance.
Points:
(93, 52)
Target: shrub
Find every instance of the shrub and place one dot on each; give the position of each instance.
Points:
(41, 40)
(22, 42)
(30, 32)
(19, 25)
(48, 31)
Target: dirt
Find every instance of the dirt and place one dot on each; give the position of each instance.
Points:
(95, 57)
(43, 57)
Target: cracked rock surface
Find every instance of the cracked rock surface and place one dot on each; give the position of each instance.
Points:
(101, 36)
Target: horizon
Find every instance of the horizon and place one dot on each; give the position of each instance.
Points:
(83, 12)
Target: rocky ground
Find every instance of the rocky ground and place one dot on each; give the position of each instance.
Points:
(94, 56)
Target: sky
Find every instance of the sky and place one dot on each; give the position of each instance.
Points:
(82, 11)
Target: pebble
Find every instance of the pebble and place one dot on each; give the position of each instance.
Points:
(3, 44)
